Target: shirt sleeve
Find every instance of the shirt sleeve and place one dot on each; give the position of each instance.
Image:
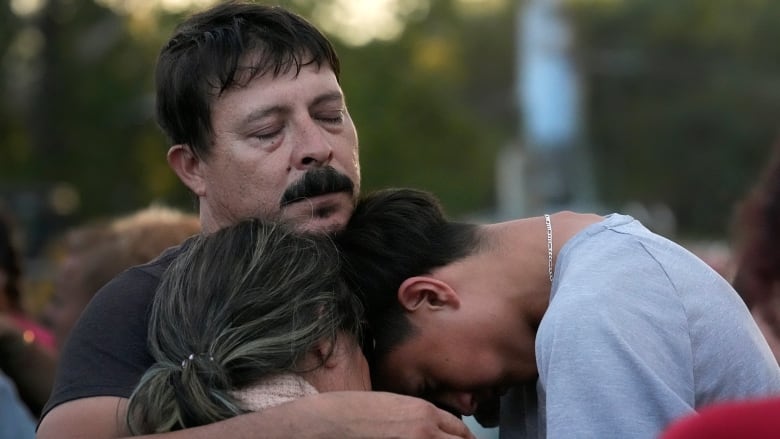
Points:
(106, 353)
(615, 360)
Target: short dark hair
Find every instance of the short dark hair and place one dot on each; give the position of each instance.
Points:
(395, 234)
(204, 58)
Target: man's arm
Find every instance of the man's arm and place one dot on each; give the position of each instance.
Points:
(326, 415)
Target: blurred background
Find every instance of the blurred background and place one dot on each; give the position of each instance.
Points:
(663, 109)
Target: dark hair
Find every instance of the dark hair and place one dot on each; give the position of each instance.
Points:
(245, 303)
(10, 263)
(207, 55)
(758, 237)
(395, 234)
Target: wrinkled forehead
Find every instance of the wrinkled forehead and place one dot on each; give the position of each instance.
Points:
(261, 62)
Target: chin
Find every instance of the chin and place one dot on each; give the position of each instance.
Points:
(320, 217)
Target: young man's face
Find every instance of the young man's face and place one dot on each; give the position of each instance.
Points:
(455, 368)
(267, 135)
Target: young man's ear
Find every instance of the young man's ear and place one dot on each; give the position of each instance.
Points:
(187, 166)
(424, 292)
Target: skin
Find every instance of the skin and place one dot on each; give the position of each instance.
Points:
(266, 136)
(475, 320)
(337, 366)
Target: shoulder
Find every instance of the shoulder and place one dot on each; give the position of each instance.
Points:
(137, 284)
(106, 416)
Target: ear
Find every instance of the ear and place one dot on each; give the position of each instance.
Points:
(425, 292)
(187, 167)
(329, 352)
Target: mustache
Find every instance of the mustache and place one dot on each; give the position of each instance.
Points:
(319, 181)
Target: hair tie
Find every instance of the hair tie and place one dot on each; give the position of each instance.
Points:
(191, 357)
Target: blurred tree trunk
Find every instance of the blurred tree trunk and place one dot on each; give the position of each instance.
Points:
(42, 118)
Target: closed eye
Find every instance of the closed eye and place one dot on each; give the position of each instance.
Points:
(333, 118)
(266, 137)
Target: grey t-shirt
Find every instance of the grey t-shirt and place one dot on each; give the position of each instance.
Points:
(638, 332)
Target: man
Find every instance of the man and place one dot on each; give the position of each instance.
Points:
(588, 326)
(250, 99)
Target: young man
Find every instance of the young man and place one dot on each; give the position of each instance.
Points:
(250, 99)
(583, 326)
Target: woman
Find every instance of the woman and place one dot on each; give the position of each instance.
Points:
(757, 251)
(247, 317)
(27, 353)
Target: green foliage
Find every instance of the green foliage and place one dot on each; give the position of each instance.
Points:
(433, 108)
(425, 107)
(683, 99)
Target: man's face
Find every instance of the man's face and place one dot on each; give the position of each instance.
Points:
(267, 136)
(457, 370)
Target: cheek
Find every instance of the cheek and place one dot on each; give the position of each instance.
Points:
(244, 182)
(464, 369)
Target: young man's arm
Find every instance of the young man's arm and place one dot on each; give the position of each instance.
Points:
(326, 415)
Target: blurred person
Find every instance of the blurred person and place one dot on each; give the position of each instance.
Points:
(11, 289)
(569, 325)
(757, 280)
(757, 250)
(96, 252)
(247, 318)
(754, 419)
(27, 353)
(249, 98)
(16, 421)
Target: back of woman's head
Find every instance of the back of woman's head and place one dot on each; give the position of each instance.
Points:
(244, 303)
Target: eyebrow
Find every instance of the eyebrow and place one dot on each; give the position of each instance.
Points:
(328, 97)
(263, 112)
(281, 109)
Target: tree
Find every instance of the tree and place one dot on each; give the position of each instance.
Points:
(683, 101)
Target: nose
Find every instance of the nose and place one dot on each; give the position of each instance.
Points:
(312, 147)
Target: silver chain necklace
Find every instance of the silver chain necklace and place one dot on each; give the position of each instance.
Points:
(548, 223)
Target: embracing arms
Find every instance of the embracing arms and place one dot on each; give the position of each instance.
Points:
(326, 415)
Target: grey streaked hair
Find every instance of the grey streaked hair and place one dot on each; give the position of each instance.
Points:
(236, 306)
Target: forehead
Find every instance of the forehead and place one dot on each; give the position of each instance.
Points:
(310, 77)
(285, 91)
